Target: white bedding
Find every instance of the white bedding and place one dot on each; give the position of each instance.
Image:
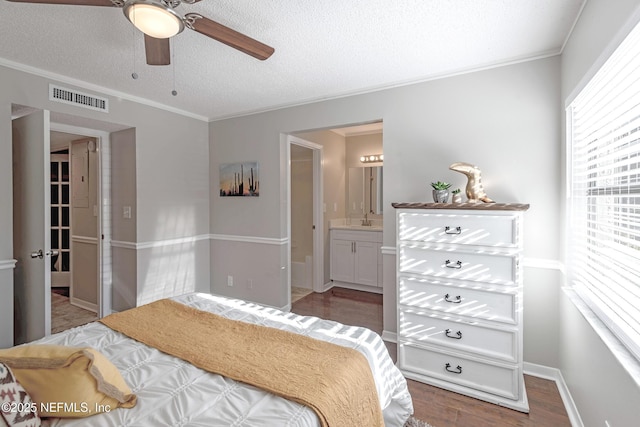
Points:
(172, 392)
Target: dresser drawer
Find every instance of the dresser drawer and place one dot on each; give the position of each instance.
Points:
(463, 301)
(425, 327)
(499, 379)
(487, 267)
(452, 227)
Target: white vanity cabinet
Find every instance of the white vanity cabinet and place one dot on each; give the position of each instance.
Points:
(459, 282)
(356, 258)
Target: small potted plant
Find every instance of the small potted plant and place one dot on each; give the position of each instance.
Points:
(456, 197)
(440, 191)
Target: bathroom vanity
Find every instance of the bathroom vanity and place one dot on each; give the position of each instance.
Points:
(356, 257)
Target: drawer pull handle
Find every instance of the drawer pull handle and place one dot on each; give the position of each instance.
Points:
(458, 299)
(457, 230)
(458, 369)
(449, 264)
(457, 336)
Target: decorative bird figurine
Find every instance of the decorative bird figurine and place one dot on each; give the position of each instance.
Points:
(474, 190)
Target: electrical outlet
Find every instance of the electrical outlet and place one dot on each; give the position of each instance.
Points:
(250, 283)
(229, 280)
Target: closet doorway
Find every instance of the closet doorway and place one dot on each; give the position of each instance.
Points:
(75, 229)
(32, 128)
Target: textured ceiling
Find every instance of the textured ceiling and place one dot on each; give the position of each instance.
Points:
(323, 48)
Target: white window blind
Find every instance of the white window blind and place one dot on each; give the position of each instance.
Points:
(603, 257)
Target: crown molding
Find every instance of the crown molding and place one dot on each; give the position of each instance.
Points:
(96, 88)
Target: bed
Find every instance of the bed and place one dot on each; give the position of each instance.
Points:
(173, 392)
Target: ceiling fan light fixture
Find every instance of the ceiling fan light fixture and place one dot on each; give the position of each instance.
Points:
(153, 18)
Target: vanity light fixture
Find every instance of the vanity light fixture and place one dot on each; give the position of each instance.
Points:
(372, 158)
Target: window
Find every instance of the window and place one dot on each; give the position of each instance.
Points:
(603, 250)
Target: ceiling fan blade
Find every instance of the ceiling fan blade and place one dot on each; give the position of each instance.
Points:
(157, 50)
(72, 2)
(228, 36)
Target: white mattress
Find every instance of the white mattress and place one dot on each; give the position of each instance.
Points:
(172, 392)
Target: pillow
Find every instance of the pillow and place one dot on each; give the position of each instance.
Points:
(16, 407)
(68, 381)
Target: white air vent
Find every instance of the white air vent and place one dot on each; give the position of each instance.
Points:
(80, 99)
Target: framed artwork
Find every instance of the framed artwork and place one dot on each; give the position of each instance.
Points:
(239, 180)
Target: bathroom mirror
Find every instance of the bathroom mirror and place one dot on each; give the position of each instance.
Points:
(364, 191)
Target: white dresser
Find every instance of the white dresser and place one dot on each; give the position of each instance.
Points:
(459, 281)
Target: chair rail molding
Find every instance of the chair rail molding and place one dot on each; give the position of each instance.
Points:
(6, 264)
(158, 243)
(193, 239)
(250, 239)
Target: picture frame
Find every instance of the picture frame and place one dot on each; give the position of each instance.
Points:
(239, 179)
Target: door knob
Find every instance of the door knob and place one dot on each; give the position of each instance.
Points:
(40, 254)
(37, 254)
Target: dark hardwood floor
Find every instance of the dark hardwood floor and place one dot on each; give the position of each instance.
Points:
(439, 407)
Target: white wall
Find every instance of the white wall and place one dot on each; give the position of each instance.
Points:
(360, 145)
(601, 386)
(123, 194)
(506, 120)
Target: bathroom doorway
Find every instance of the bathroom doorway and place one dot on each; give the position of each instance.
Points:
(343, 146)
(305, 217)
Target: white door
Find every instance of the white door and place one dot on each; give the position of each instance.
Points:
(301, 170)
(60, 220)
(342, 260)
(84, 291)
(31, 226)
(366, 263)
(318, 215)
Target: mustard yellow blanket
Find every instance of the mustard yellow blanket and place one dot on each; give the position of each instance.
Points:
(335, 381)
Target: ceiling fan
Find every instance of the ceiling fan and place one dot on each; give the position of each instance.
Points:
(158, 21)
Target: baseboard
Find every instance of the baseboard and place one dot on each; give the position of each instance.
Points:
(390, 336)
(84, 304)
(554, 374)
(286, 308)
(357, 287)
(327, 286)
